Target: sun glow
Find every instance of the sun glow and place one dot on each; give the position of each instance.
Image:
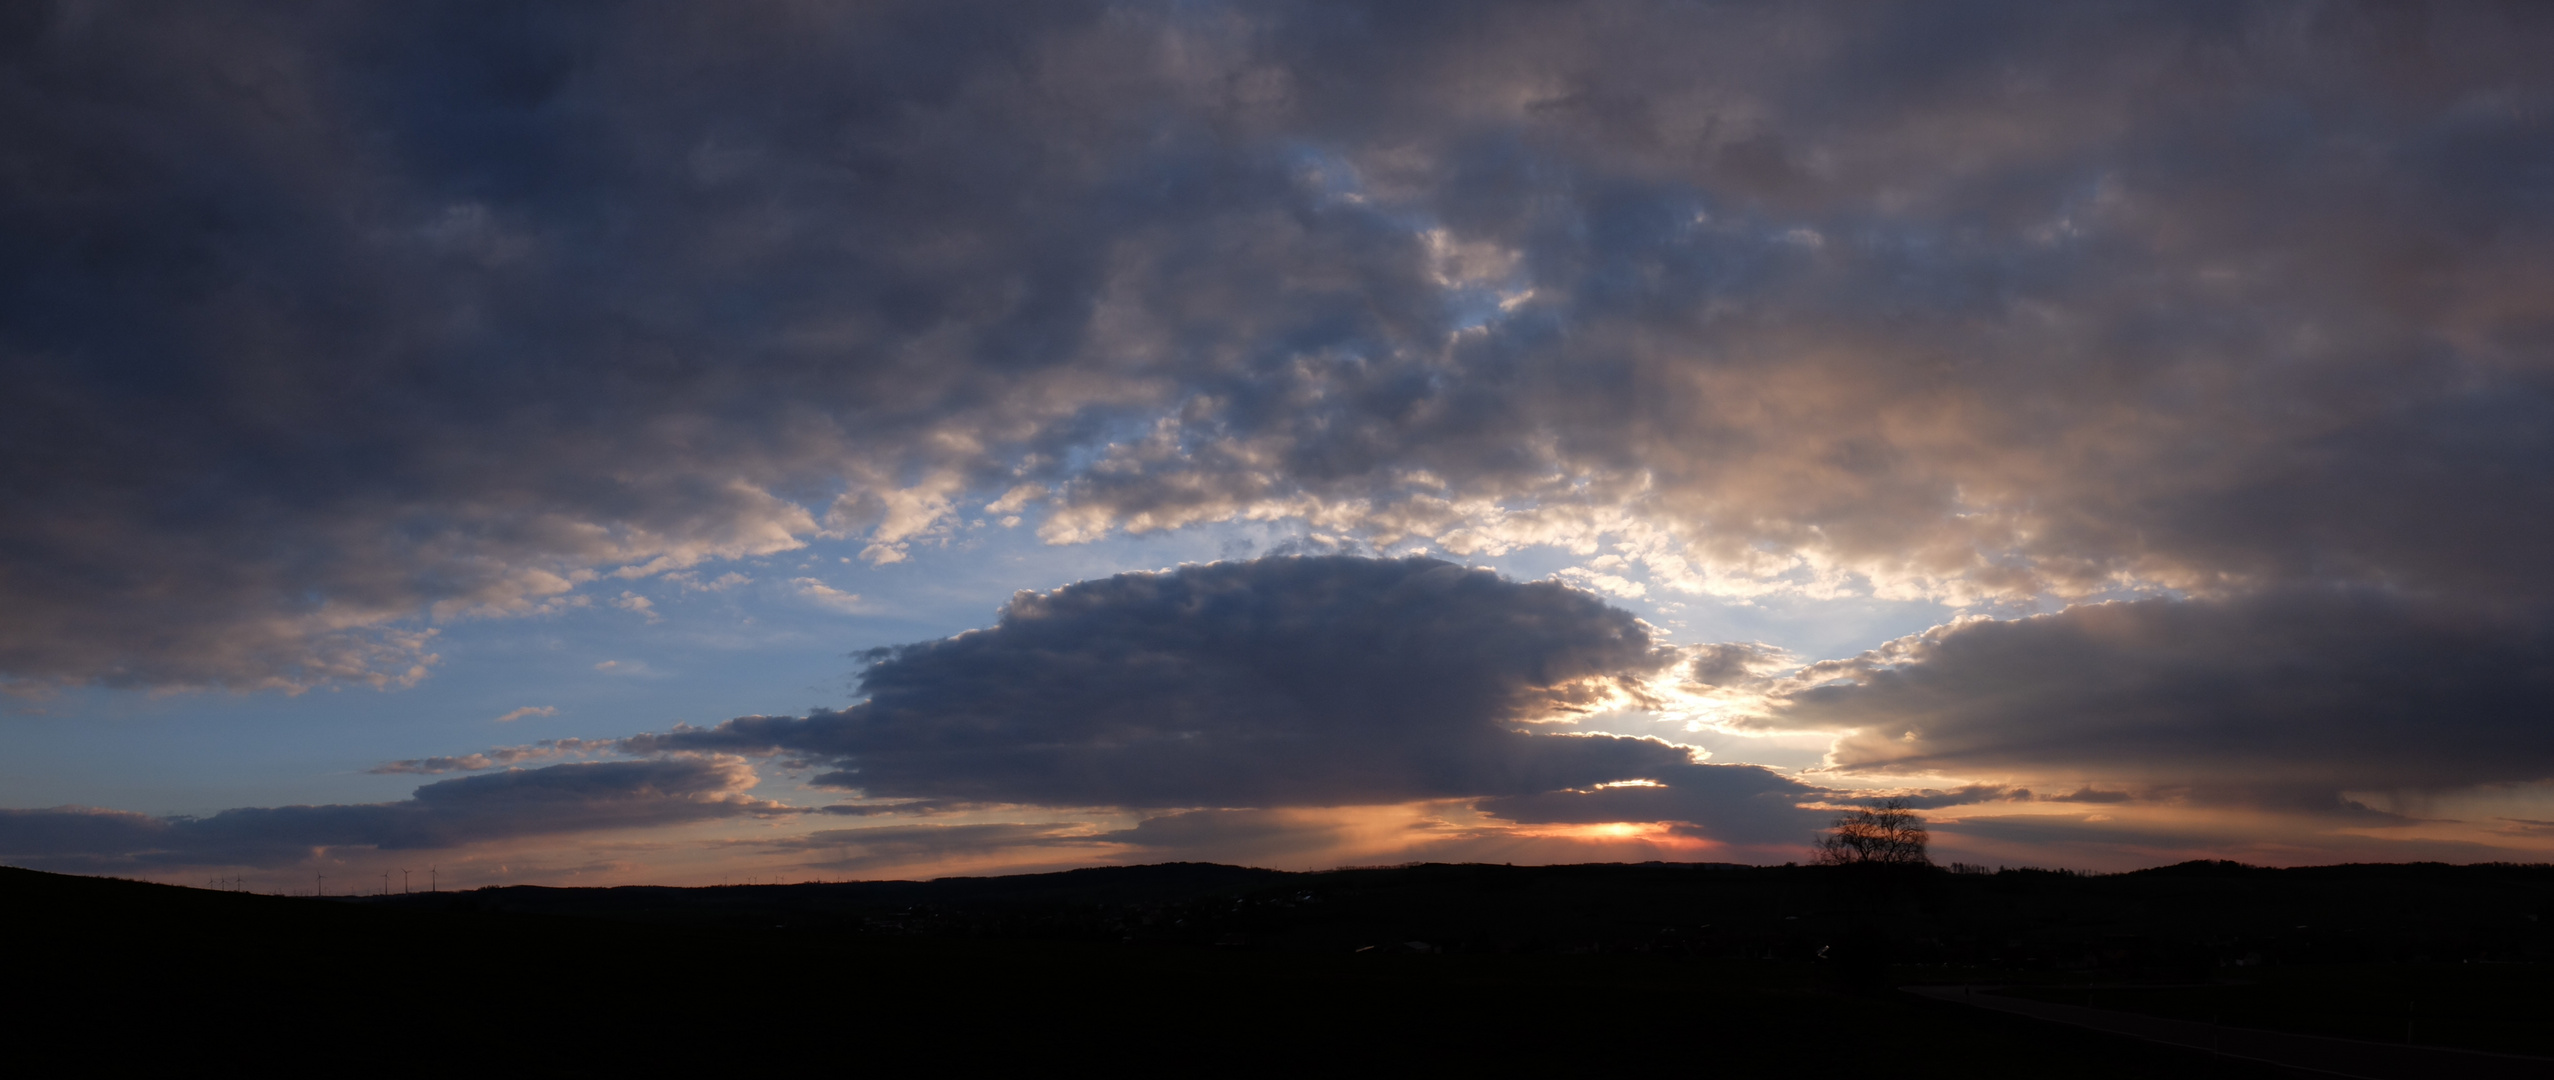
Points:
(1658, 833)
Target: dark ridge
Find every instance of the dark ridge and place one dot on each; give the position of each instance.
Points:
(1425, 963)
(1158, 883)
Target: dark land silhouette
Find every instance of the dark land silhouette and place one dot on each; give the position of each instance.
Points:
(1562, 967)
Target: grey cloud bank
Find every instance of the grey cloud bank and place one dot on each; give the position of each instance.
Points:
(2280, 697)
(464, 811)
(324, 323)
(1247, 698)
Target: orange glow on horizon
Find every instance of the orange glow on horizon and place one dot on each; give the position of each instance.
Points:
(1657, 833)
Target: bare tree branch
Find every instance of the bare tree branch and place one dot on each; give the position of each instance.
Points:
(1890, 834)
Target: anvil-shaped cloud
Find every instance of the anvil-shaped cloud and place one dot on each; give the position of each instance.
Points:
(1280, 682)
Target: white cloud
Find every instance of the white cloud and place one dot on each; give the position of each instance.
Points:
(827, 596)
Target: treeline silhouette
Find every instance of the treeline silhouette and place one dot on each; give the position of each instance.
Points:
(1562, 967)
(2180, 922)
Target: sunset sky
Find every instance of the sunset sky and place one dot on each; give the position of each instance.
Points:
(682, 443)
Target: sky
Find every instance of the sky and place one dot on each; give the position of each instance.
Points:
(669, 443)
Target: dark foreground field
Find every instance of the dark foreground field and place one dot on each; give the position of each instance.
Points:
(1717, 969)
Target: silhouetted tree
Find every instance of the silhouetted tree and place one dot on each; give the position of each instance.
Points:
(1889, 834)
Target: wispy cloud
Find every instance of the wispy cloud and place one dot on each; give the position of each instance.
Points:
(500, 756)
(826, 595)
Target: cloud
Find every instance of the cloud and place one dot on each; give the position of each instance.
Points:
(1595, 581)
(2088, 794)
(2290, 697)
(1965, 795)
(556, 800)
(503, 755)
(1278, 682)
(528, 710)
(901, 807)
(826, 595)
(691, 582)
(1743, 804)
(1745, 411)
(1256, 837)
(1321, 839)
(457, 314)
(1284, 682)
(1737, 664)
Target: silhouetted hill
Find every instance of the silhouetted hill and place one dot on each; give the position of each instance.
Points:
(2171, 922)
(1113, 886)
(1560, 967)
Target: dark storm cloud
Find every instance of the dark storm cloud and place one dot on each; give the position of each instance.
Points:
(1972, 299)
(2286, 697)
(1937, 798)
(316, 320)
(1280, 682)
(556, 800)
(1233, 835)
